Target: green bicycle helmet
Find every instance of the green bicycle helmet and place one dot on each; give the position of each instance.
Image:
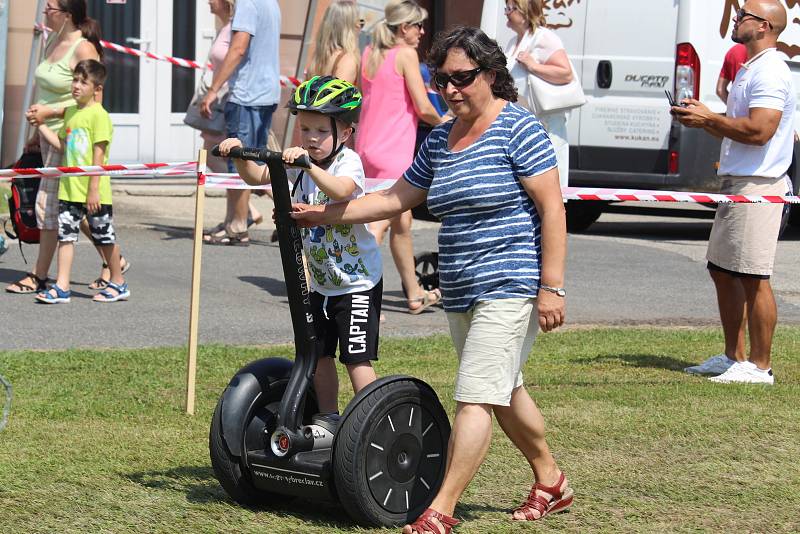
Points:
(330, 96)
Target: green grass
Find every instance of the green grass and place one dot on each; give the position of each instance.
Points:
(97, 441)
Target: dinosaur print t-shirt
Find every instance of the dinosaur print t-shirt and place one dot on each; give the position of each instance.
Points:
(342, 258)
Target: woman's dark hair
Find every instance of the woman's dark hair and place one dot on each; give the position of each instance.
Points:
(90, 28)
(482, 50)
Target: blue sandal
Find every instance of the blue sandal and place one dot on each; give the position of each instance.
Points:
(61, 296)
(122, 293)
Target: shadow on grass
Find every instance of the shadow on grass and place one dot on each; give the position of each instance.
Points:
(653, 361)
(201, 487)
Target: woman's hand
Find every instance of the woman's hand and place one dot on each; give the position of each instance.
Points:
(228, 144)
(552, 310)
(308, 215)
(294, 153)
(37, 114)
(208, 101)
(527, 59)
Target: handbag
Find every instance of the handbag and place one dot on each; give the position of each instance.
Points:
(195, 119)
(546, 97)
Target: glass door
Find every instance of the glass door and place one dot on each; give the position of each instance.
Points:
(127, 95)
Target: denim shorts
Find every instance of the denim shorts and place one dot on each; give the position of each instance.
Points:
(250, 124)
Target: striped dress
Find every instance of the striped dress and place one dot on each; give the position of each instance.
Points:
(490, 238)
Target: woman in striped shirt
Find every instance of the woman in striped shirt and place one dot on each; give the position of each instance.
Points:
(491, 177)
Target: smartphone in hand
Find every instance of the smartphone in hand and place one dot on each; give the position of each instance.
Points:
(672, 101)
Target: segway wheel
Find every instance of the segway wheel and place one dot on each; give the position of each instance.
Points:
(390, 454)
(228, 468)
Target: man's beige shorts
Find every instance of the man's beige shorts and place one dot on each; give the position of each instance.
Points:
(744, 236)
(47, 197)
(492, 342)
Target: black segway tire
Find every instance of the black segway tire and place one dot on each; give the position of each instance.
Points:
(390, 453)
(228, 468)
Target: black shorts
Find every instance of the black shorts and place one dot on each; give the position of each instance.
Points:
(350, 322)
(712, 267)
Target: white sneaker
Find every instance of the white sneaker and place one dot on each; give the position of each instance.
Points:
(715, 365)
(745, 373)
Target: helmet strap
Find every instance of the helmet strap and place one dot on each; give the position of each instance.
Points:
(337, 147)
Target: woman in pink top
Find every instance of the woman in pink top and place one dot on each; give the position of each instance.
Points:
(394, 99)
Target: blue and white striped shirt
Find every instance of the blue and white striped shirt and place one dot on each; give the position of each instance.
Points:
(489, 241)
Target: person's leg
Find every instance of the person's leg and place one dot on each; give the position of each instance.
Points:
(361, 375)
(48, 242)
(104, 237)
(378, 229)
(240, 202)
(326, 384)
(762, 316)
(524, 425)
(732, 312)
(402, 248)
(66, 253)
(469, 441)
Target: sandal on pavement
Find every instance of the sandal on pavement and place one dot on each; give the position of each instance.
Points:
(59, 297)
(26, 289)
(214, 230)
(121, 292)
(102, 283)
(234, 239)
(428, 299)
(559, 501)
(424, 523)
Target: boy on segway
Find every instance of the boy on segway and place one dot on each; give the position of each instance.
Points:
(344, 260)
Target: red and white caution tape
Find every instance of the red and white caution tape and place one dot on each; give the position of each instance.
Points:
(133, 169)
(643, 195)
(286, 81)
(217, 180)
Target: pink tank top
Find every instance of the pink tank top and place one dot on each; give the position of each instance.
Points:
(387, 129)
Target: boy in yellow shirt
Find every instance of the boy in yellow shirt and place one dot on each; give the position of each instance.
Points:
(85, 139)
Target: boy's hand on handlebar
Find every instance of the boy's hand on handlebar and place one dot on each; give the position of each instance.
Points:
(291, 154)
(226, 146)
(307, 215)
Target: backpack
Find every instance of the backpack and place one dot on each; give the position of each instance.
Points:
(22, 202)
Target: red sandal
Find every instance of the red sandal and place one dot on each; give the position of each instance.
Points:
(559, 501)
(424, 523)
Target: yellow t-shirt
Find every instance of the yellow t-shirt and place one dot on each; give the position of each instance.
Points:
(83, 128)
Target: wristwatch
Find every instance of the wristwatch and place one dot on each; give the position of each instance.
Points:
(560, 291)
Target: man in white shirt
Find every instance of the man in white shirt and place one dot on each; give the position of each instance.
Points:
(757, 146)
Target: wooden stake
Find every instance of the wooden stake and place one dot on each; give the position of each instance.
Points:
(194, 305)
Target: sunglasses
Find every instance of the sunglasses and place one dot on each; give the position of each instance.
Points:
(49, 9)
(741, 14)
(458, 79)
(509, 9)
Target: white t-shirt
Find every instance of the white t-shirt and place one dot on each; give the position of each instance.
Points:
(342, 258)
(541, 44)
(763, 82)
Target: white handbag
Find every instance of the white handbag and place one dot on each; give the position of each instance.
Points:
(546, 97)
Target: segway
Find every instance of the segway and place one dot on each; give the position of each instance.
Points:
(384, 461)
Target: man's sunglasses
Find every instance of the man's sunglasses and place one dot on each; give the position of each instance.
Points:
(742, 14)
(458, 79)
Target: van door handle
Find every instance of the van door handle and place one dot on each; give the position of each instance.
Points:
(604, 74)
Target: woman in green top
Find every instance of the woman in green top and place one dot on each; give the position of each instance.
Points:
(74, 37)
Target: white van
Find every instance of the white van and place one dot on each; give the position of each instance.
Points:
(627, 52)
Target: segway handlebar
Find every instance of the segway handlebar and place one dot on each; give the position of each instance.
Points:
(261, 154)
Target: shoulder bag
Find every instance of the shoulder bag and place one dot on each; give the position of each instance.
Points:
(546, 97)
(195, 119)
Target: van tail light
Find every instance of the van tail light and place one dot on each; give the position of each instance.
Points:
(672, 164)
(687, 72)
